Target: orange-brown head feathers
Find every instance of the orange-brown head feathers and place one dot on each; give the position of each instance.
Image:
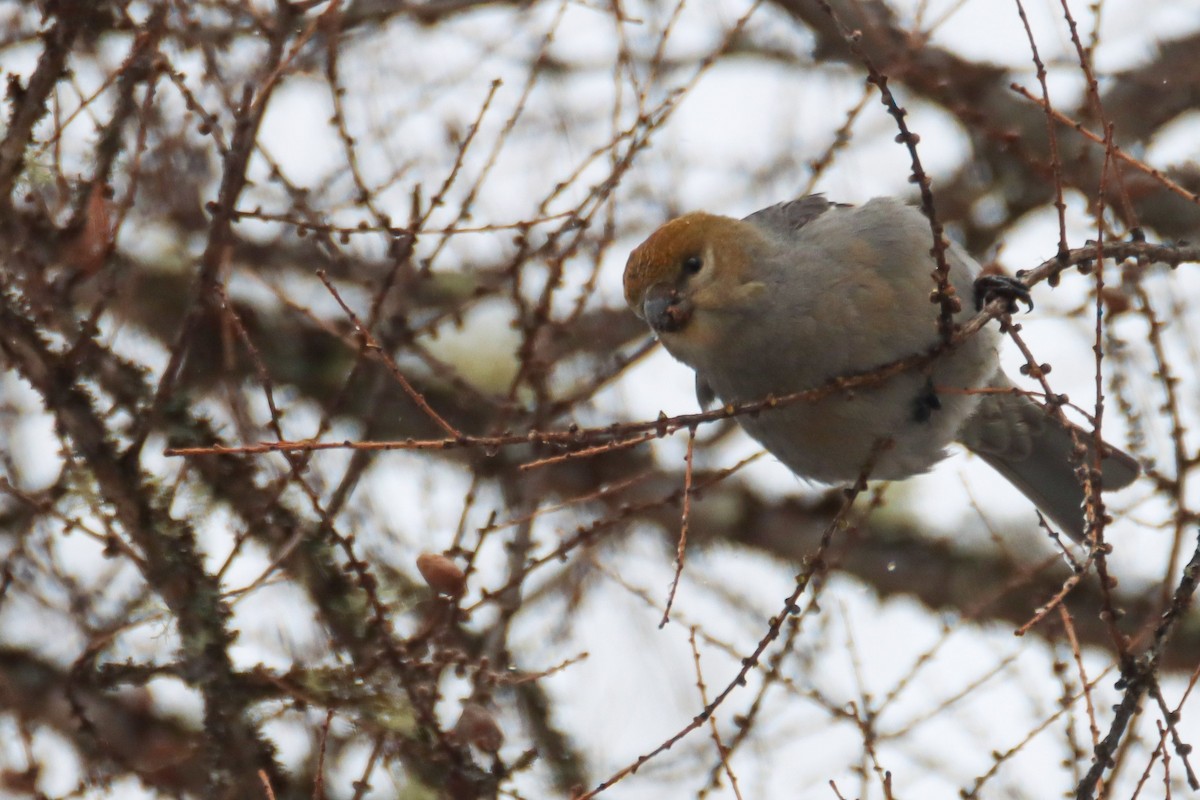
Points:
(686, 247)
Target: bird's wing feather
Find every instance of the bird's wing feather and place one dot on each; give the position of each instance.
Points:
(786, 218)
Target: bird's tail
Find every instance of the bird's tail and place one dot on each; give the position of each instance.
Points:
(1033, 451)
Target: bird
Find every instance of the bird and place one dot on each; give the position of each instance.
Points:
(806, 291)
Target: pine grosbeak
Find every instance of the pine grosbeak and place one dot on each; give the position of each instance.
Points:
(802, 292)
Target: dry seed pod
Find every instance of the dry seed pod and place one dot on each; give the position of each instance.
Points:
(477, 726)
(1115, 300)
(442, 574)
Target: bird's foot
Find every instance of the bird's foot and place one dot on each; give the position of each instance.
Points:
(1011, 290)
(926, 403)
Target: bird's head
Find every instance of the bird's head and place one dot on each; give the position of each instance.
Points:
(694, 264)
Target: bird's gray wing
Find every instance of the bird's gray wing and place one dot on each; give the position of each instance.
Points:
(788, 217)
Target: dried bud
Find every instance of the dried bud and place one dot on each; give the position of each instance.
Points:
(1115, 300)
(87, 251)
(442, 574)
(478, 727)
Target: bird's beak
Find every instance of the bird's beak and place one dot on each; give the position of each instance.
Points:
(665, 309)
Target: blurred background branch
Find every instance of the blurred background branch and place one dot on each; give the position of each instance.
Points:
(189, 192)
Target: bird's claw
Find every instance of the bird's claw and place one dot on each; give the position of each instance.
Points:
(926, 403)
(1011, 290)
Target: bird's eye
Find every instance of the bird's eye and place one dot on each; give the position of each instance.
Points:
(692, 264)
